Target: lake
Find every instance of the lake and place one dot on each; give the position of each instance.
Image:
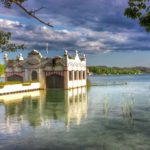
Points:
(109, 116)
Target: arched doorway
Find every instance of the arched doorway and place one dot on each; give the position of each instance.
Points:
(34, 75)
(15, 78)
(55, 81)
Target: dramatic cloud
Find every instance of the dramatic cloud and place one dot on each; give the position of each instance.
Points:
(90, 26)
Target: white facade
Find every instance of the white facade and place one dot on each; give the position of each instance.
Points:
(59, 72)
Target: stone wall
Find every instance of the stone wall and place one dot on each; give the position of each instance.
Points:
(15, 88)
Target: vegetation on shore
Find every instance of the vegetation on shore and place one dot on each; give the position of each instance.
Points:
(17, 82)
(139, 10)
(24, 83)
(103, 70)
(1, 69)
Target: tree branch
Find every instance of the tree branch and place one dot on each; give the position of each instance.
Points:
(31, 13)
(34, 11)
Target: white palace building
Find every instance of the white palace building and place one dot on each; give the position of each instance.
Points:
(65, 72)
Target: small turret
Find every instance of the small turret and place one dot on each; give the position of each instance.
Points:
(65, 57)
(20, 57)
(84, 56)
(5, 57)
(76, 52)
(65, 53)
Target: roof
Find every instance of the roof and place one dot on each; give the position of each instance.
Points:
(12, 63)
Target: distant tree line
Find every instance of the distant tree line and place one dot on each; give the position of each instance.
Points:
(113, 70)
(1, 69)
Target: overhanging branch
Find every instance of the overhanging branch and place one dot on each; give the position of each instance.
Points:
(31, 13)
(34, 11)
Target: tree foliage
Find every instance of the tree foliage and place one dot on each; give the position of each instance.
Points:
(8, 3)
(113, 70)
(6, 45)
(139, 9)
(1, 69)
(5, 37)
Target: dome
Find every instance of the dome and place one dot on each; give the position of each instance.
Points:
(35, 52)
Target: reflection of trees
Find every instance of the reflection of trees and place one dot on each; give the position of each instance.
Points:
(40, 110)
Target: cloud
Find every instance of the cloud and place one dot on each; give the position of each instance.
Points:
(4, 23)
(80, 38)
(90, 26)
(95, 14)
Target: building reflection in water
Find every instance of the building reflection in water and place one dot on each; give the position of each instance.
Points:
(75, 105)
(40, 108)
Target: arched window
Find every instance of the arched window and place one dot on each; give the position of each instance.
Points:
(34, 75)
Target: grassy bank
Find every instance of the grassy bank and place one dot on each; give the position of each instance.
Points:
(17, 82)
(1, 69)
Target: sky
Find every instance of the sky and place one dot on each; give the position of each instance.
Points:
(97, 28)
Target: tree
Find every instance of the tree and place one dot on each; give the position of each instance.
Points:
(5, 37)
(6, 45)
(139, 9)
(1, 69)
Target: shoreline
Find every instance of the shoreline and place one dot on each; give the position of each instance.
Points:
(119, 74)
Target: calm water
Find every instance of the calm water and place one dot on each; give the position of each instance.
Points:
(108, 117)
